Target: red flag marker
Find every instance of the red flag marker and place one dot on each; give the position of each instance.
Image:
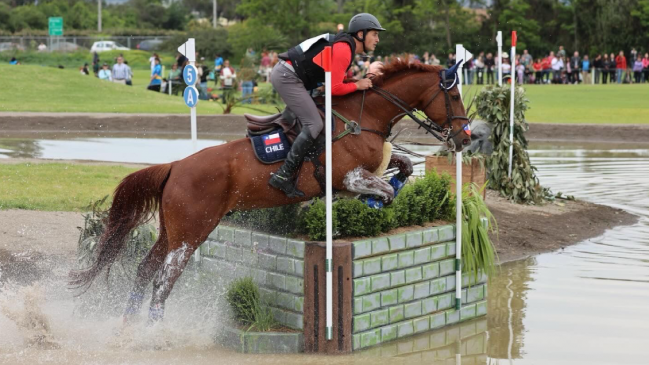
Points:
(323, 59)
(514, 38)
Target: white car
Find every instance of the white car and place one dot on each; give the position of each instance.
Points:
(107, 46)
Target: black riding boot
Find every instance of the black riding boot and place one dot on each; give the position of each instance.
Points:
(283, 178)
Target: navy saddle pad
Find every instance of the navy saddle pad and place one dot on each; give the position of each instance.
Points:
(272, 147)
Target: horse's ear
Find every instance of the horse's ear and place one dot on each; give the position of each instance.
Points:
(450, 73)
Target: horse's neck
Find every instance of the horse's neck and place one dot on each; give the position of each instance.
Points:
(389, 111)
(377, 112)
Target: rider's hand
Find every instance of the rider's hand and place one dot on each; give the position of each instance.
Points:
(363, 84)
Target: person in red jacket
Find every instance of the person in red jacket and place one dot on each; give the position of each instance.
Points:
(295, 75)
(620, 66)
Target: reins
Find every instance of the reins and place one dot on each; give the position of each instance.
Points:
(442, 133)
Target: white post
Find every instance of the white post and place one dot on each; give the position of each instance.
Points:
(170, 84)
(193, 123)
(511, 105)
(329, 191)
(189, 50)
(499, 39)
(460, 54)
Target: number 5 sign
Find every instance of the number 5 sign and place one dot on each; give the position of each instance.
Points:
(189, 75)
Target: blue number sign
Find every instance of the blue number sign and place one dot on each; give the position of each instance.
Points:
(191, 96)
(189, 75)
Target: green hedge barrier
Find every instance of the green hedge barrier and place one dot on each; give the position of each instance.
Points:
(424, 200)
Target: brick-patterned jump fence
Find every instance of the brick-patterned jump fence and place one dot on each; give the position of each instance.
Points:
(384, 288)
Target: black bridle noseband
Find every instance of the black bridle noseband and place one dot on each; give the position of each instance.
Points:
(443, 132)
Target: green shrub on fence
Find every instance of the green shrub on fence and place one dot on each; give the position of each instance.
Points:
(424, 200)
(493, 105)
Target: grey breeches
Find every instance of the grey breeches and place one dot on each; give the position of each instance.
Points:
(292, 91)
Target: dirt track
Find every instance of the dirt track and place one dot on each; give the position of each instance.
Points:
(39, 125)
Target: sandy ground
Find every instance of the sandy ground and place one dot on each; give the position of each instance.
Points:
(525, 230)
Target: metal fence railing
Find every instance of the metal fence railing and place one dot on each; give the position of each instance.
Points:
(70, 44)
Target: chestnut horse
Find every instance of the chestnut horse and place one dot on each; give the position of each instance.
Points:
(192, 195)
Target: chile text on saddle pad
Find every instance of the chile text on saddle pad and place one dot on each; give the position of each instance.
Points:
(272, 147)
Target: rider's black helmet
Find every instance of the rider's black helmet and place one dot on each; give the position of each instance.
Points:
(363, 21)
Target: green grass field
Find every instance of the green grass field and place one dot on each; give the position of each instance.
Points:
(74, 60)
(57, 186)
(45, 89)
(601, 104)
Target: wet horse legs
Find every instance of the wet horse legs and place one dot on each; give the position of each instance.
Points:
(147, 268)
(174, 265)
(361, 181)
(404, 165)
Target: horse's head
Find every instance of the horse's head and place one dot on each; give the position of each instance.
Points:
(442, 103)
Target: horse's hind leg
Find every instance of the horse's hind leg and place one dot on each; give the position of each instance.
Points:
(182, 244)
(145, 271)
(173, 267)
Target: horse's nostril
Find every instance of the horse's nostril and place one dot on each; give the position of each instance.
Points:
(466, 141)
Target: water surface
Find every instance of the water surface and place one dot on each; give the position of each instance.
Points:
(586, 304)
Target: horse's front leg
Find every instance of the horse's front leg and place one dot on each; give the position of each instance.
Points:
(361, 181)
(403, 163)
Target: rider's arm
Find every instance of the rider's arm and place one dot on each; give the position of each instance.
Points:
(342, 56)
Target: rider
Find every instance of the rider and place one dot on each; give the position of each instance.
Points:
(296, 74)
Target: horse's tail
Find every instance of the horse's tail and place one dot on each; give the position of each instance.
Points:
(138, 195)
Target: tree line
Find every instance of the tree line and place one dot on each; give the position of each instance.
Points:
(417, 26)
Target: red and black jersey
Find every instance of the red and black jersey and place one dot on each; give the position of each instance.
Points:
(301, 58)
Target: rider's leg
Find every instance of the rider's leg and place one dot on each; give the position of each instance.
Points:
(296, 97)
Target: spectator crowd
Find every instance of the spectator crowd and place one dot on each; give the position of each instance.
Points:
(553, 68)
(219, 80)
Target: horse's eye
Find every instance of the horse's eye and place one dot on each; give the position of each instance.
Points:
(455, 97)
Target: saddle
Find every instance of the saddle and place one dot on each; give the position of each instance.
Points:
(286, 121)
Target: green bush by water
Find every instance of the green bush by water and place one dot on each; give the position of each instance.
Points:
(244, 299)
(478, 253)
(243, 296)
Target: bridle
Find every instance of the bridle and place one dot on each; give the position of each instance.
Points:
(443, 132)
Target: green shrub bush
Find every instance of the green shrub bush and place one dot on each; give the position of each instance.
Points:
(425, 200)
(243, 297)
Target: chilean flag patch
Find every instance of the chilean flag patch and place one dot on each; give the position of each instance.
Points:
(467, 129)
(270, 139)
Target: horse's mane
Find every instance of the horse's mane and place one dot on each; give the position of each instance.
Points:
(396, 67)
